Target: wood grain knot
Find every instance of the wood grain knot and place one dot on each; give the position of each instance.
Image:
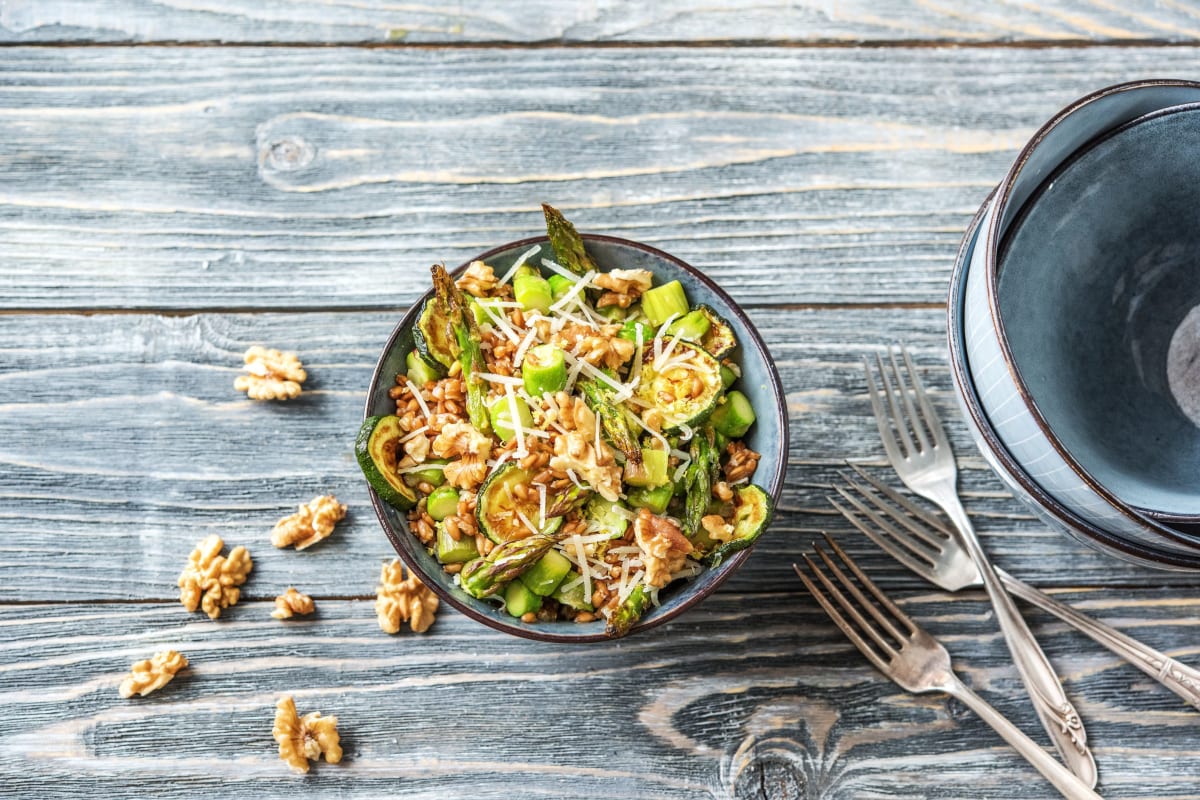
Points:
(288, 154)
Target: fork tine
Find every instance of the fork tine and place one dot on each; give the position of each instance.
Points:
(891, 444)
(864, 626)
(892, 547)
(850, 586)
(851, 632)
(883, 599)
(890, 513)
(930, 415)
(914, 422)
(916, 545)
(926, 517)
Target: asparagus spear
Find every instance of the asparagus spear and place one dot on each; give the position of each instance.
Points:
(698, 481)
(483, 577)
(628, 613)
(612, 420)
(570, 500)
(462, 328)
(568, 246)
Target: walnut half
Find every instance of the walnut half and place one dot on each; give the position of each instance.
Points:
(399, 599)
(292, 603)
(210, 581)
(312, 523)
(664, 547)
(152, 674)
(274, 375)
(307, 738)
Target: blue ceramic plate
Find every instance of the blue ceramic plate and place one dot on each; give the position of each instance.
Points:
(759, 382)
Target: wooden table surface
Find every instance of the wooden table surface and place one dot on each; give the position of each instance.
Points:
(184, 179)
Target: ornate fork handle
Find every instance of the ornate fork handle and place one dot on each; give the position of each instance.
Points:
(1056, 712)
(1179, 678)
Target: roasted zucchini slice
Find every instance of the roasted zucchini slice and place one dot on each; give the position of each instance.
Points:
(376, 449)
(719, 340)
(433, 336)
(752, 508)
(499, 511)
(669, 389)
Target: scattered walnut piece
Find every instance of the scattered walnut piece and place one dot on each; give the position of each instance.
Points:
(664, 547)
(399, 599)
(718, 529)
(304, 739)
(479, 279)
(291, 603)
(417, 448)
(623, 285)
(152, 674)
(312, 523)
(742, 462)
(273, 375)
(606, 351)
(210, 581)
(574, 451)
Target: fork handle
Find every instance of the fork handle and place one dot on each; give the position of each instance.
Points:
(1058, 715)
(1063, 779)
(1179, 678)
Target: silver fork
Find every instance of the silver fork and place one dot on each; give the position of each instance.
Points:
(919, 451)
(904, 652)
(919, 540)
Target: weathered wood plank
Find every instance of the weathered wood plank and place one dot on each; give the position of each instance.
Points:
(612, 20)
(259, 177)
(698, 708)
(123, 443)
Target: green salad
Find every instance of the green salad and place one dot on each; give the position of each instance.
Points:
(568, 440)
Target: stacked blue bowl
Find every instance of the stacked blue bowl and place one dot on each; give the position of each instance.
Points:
(1074, 323)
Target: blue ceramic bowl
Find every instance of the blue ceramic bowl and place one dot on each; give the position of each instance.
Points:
(1010, 471)
(1099, 297)
(1000, 372)
(759, 382)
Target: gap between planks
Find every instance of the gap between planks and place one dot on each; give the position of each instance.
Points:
(970, 595)
(583, 44)
(380, 309)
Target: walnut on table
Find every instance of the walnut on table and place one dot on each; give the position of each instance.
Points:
(399, 599)
(292, 603)
(210, 581)
(312, 523)
(274, 375)
(304, 739)
(152, 674)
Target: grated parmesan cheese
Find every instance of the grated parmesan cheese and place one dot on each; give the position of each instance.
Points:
(533, 251)
(420, 400)
(515, 421)
(541, 487)
(419, 467)
(414, 434)
(584, 569)
(526, 343)
(505, 380)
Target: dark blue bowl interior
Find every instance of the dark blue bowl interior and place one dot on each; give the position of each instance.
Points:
(760, 383)
(1096, 280)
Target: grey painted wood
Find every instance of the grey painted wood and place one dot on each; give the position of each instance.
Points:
(747, 696)
(123, 443)
(317, 178)
(377, 21)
